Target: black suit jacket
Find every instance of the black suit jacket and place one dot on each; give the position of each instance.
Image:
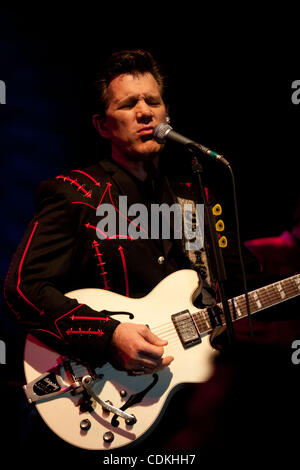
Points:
(61, 251)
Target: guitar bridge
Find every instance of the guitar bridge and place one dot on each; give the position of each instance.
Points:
(186, 328)
(63, 378)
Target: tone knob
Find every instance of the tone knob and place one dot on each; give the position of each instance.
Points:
(108, 436)
(85, 424)
(130, 421)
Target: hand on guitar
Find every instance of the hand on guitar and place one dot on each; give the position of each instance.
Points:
(137, 350)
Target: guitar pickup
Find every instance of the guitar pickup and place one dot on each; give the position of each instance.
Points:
(186, 328)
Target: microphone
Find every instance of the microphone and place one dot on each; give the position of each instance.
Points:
(163, 132)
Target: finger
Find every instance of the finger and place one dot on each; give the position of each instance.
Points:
(151, 361)
(152, 338)
(165, 362)
(152, 345)
(143, 363)
(150, 353)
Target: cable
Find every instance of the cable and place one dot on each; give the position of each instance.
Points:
(240, 251)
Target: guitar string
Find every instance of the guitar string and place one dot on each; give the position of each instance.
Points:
(288, 290)
(170, 349)
(270, 292)
(168, 331)
(267, 298)
(165, 328)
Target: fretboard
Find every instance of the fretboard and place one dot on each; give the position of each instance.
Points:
(259, 299)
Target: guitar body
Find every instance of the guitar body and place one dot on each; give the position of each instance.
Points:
(195, 364)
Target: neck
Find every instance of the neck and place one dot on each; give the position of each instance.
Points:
(138, 168)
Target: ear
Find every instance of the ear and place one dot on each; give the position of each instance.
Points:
(168, 119)
(100, 125)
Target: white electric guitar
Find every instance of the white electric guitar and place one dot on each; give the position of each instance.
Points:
(105, 408)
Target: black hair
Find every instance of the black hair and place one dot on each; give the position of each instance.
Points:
(134, 62)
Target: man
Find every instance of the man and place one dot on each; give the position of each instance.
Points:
(61, 251)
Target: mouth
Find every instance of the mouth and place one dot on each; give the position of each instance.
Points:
(147, 131)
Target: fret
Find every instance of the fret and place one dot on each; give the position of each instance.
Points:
(256, 300)
(243, 304)
(202, 321)
(290, 287)
(197, 321)
(262, 298)
(237, 307)
(274, 294)
(297, 282)
(206, 319)
(280, 289)
(259, 299)
(252, 303)
(267, 296)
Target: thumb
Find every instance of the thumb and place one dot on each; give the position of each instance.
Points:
(154, 339)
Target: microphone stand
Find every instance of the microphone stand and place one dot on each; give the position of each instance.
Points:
(220, 271)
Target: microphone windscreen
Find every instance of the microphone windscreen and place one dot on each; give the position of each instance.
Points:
(160, 132)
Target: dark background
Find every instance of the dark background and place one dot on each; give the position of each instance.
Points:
(228, 96)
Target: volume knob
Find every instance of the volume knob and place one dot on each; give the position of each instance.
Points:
(85, 424)
(108, 436)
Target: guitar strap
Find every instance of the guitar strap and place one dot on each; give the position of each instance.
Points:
(197, 257)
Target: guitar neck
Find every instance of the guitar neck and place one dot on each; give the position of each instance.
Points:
(259, 299)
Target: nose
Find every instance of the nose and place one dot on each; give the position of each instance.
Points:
(144, 113)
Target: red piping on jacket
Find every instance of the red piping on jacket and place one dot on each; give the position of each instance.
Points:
(20, 270)
(46, 331)
(79, 186)
(110, 196)
(65, 314)
(84, 332)
(90, 318)
(85, 203)
(97, 183)
(121, 250)
(108, 186)
(101, 264)
(88, 225)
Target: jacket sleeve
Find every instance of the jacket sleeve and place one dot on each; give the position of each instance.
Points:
(39, 271)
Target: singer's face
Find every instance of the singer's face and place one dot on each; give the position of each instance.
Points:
(135, 107)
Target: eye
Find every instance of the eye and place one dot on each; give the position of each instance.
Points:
(128, 105)
(154, 102)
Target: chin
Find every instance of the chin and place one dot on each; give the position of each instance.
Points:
(146, 152)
